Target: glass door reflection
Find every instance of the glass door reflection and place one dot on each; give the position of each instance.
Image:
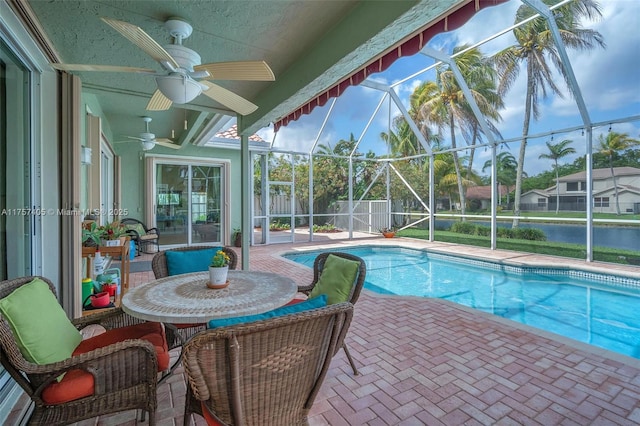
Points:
(188, 204)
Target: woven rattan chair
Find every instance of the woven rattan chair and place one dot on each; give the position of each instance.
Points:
(159, 261)
(263, 373)
(125, 373)
(160, 270)
(318, 265)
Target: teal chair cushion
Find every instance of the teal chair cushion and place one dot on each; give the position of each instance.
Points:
(184, 262)
(318, 302)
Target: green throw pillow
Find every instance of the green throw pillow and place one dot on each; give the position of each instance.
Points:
(337, 278)
(138, 228)
(43, 332)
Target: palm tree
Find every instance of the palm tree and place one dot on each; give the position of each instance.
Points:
(442, 103)
(506, 167)
(557, 151)
(612, 144)
(535, 48)
(400, 139)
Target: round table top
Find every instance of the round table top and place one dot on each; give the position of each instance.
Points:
(183, 299)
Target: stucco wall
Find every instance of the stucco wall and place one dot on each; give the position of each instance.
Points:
(133, 165)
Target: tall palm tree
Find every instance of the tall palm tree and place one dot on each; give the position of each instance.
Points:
(443, 104)
(481, 77)
(535, 49)
(556, 152)
(506, 167)
(612, 144)
(400, 139)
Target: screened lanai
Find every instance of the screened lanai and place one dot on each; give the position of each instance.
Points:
(523, 118)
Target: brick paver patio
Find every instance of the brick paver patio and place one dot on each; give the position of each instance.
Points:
(432, 362)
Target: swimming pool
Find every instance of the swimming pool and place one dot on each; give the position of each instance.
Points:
(597, 309)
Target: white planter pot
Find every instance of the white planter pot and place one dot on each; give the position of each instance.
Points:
(218, 276)
(111, 243)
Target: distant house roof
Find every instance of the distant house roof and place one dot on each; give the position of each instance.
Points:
(621, 189)
(483, 192)
(540, 192)
(232, 133)
(599, 174)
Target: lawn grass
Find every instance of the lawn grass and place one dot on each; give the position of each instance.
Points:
(560, 215)
(575, 251)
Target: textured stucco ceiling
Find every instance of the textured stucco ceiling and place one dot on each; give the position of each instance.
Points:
(310, 45)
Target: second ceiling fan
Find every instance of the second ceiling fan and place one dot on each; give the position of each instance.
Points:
(185, 77)
(148, 140)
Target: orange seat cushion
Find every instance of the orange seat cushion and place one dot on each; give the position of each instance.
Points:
(294, 301)
(78, 384)
(211, 421)
(190, 325)
(75, 384)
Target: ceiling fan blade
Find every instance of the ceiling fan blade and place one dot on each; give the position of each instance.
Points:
(167, 143)
(105, 68)
(137, 36)
(159, 102)
(228, 99)
(133, 137)
(242, 70)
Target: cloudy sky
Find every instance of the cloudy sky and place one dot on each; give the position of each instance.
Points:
(608, 80)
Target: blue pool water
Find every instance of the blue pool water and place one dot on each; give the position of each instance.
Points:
(596, 309)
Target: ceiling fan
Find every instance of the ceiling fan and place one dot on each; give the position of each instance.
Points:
(185, 77)
(148, 140)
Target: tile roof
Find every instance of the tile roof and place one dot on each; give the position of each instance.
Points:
(600, 174)
(483, 192)
(232, 133)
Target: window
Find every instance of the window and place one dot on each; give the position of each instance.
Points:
(542, 202)
(601, 202)
(576, 186)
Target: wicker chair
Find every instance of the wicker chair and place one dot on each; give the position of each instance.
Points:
(125, 373)
(160, 270)
(318, 265)
(263, 373)
(159, 261)
(141, 235)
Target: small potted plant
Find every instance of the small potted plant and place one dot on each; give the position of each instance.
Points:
(91, 235)
(388, 232)
(218, 270)
(237, 237)
(111, 233)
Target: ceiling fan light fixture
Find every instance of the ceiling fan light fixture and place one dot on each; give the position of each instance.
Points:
(178, 88)
(147, 145)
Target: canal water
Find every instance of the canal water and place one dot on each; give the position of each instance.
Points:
(619, 237)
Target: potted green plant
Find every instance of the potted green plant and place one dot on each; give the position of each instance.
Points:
(237, 237)
(91, 235)
(111, 233)
(218, 270)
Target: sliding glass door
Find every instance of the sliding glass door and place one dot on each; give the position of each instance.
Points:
(17, 220)
(189, 203)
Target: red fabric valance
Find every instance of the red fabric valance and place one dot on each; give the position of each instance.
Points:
(409, 47)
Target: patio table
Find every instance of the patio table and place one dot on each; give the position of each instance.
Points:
(185, 299)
